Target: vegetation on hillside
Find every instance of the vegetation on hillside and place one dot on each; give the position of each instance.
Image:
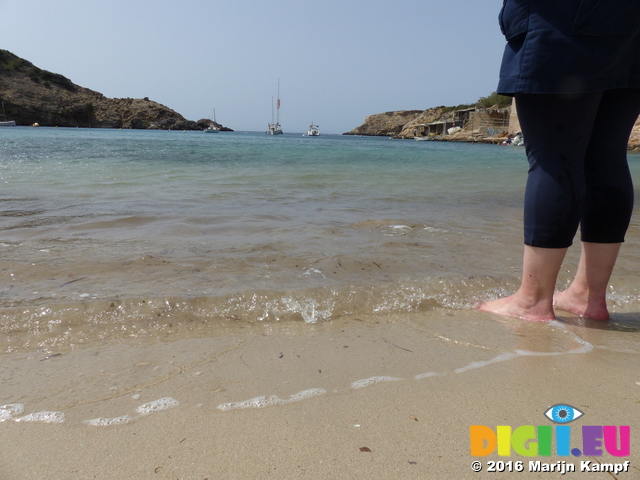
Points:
(12, 63)
(494, 99)
(501, 101)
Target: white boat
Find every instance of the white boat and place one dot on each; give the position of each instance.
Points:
(274, 128)
(5, 122)
(313, 131)
(516, 141)
(212, 126)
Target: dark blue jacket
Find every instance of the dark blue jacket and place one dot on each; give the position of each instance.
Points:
(569, 46)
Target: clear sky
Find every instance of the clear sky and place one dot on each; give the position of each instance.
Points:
(338, 61)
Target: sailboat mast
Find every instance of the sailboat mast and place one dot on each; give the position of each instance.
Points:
(272, 119)
(278, 109)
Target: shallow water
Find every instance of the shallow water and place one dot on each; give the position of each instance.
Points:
(105, 228)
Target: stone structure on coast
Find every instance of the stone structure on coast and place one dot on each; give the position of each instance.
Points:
(440, 123)
(34, 96)
(472, 124)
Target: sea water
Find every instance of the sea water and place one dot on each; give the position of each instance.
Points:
(110, 227)
(142, 271)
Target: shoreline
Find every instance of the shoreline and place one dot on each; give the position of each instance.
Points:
(399, 395)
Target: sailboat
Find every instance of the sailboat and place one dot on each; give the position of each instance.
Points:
(5, 122)
(274, 127)
(314, 130)
(212, 126)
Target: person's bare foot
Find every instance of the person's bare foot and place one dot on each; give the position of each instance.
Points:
(582, 305)
(512, 307)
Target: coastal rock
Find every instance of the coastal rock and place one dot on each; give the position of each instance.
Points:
(634, 139)
(403, 124)
(435, 114)
(387, 124)
(32, 95)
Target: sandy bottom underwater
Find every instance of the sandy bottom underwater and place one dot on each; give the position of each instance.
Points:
(366, 397)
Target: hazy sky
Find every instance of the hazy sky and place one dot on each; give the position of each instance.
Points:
(338, 61)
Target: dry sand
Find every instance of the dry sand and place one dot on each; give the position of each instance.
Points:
(444, 371)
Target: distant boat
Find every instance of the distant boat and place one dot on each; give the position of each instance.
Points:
(274, 127)
(313, 131)
(212, 126)
(5, 122)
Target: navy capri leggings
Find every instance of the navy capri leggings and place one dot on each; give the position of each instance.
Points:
(578, 172)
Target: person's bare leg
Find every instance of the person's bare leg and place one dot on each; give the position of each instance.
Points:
(586, 296)
(534, 299)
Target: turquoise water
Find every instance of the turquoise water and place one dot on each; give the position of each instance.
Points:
(110, 227)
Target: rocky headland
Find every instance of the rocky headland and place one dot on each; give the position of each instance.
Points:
(402, 124)
(405, 125)
(34, 96)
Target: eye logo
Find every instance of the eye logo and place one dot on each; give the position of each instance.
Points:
(562, 413)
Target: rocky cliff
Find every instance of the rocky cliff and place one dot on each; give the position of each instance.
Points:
(402, 124)
(634, 140)
(388, 124)
(31, 95)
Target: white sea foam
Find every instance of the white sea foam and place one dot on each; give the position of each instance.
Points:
(309, 271)
(393, 230)
(7, 412)
(271, 400)
(500, 358)
(426, 375)
(310, 309)
(107, 422)
(44, 417)
(157, 405)
(435, 230)
(366, 382)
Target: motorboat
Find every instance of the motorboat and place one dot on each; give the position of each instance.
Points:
(313, 131)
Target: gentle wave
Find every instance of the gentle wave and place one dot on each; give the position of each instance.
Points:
(65, 324)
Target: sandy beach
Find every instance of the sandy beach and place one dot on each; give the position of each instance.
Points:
(390, 398)
(170, 310)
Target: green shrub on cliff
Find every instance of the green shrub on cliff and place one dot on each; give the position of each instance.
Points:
(48, 78)
(463, 106)
(494, 99)
(12, 63)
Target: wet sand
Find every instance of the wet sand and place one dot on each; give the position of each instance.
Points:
(383, 397)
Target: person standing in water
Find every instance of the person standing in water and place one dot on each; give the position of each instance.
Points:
(573, 67)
